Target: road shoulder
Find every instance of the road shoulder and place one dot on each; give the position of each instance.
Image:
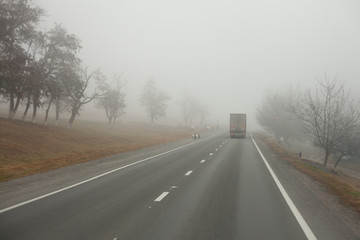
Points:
(326, 216)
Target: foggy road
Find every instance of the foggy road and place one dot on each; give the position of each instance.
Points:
(82, 79)
(213, 188)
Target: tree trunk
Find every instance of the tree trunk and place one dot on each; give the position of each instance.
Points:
(18, 98)
(326, 158)
(74, 111)
(57, 109)
(36, 104)
(27, 107)
(338, 160)
(115, 116)
(11, 106)
(47, 111)
(34, 113)
(109, 121)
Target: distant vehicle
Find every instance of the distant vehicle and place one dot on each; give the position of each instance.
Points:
(237, 125)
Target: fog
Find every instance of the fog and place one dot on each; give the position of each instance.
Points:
(227, 54)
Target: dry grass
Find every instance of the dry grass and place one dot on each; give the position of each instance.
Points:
(27, 149)
(345, 187)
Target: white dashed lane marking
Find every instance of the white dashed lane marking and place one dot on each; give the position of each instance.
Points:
(161, 197)
(202, 161)
(188, 173)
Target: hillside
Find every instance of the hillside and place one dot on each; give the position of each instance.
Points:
(27, 148)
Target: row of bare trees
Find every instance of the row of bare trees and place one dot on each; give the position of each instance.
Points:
(155, 103)
(192, 109)
(42, 69)
(327, 115)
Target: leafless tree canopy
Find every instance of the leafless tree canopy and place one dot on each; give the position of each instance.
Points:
(42, 68)
(192, 109)
(154, 100)
(113, 101)
(331, 117)
(274, 117)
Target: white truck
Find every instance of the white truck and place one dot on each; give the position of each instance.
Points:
(237, 125)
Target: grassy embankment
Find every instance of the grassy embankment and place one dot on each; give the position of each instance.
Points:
(27, 148)
(345, 187)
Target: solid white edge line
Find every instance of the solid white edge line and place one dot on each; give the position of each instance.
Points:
(188, 173)
(309, 234)
(161, 197)
(99, 176)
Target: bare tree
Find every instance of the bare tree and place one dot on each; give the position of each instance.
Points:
(18, 20)
(203, 113)
(154, 100)
(190, 107)
(67, 76)
(58, 55)
(348, 147)
(113, 101)
(273, 116)
(77, 88)
(119, 107)
(330, 116)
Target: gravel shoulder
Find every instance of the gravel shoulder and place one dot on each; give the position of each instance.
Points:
(326, 216)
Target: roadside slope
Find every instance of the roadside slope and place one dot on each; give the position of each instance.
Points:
(27, 149)
(313, 198)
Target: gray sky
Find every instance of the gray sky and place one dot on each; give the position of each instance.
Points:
(226, 53)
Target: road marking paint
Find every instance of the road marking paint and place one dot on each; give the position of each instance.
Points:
(211, 154)
(188, 173)
(173, 187)
(309, 234)
(161, 197)
(202, 161)
(216, 149)
(101, 175)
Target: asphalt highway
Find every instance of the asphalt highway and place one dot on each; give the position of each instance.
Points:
(211, 188)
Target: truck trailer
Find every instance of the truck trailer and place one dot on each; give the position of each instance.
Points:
(237, 125)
